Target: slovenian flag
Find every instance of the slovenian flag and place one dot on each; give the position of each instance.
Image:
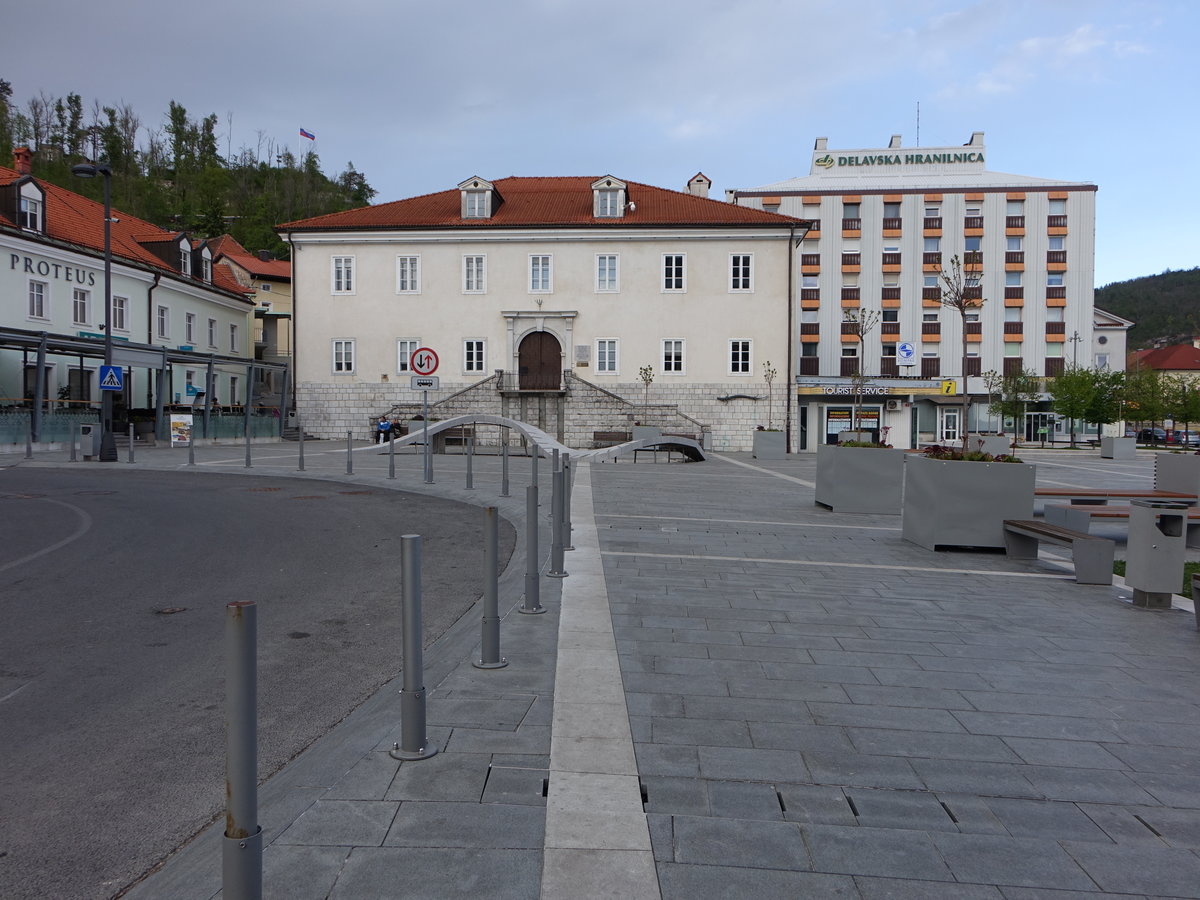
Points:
(307, 134)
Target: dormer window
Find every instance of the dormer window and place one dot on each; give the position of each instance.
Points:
(479, 198)
(608, 198)
(31, 208)
(185, 257)
(205, 256)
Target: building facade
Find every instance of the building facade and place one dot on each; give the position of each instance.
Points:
(890, 223)
(580, 305)
(175, 317)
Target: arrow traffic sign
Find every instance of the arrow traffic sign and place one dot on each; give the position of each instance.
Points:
(423, 361)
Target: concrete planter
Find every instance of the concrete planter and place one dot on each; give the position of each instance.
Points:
(995, 444)
(1177, 472)
(769, 445)
(862, 436)
(860, 479)
(953, 503)
(1118, 448)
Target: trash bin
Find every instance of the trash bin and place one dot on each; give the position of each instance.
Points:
(89, 440)
(1156, 551)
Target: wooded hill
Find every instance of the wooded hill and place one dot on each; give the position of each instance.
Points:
(1165, 308)
(174, 175)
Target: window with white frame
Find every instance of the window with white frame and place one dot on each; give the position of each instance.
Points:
(343, 356)
(1054, 243)
(1012, 348)
(189, 382)
(1054, 279)
(539, 273)
(1012, 313)
(120, 313)
(189, 328)
(234, 346)
(212, 332)
(1014, 244)
(185, 260)
(674, 272)
(341, 274)
(810, 281)
(1058, 207)
(39, 300)
(474, 274)
(206, 269)
(1054, 349)
(1101, 360)
(933, 244)
(672, 355)
(478, 205)
(233, 389)
(162, 318)
(740, 271)
(1012, 279)
(405, 348)
(607, 280)
(30, 214)
(608, 203)
(606, 356)
(890, 316)
(473, 358)
(1014, 208)
(408, 274)
(809, 316)
(739, 357)
(1055, 314)
(81, 306)
(930, 281)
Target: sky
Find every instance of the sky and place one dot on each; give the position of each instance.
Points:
(420, 96)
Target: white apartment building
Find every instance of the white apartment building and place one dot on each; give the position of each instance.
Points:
(548, 298)
(889, 221)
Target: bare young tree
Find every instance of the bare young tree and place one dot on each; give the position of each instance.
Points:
(962, 293)
(769, 374)
(861, 322)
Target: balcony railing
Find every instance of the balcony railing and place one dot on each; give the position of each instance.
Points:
(1056, 221)
(931, 293)
(851, 259)
(849, 365)
(973, 222)
(893, 224)
(849, 328)
(1014, 327)
(889, 328)
(890, 293)
(1054, 366)
(810, 365)
(931, 367)
(973, 293)
(974, 328)
(851, 224)
(1056, 328)
(888, 367)
(1014, 221)
(1014, 256)
(891, 259)
(810, 327)
(973, 258)
(931, 328)
(1056, 293)
(810, 259)
(933, 221)
(1056, 256)
(931, 259)
(1014, 293)
(1013, 365)
(974, 365)
(810, 293)
(851, 293)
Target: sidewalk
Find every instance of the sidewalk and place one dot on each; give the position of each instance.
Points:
(747, 694)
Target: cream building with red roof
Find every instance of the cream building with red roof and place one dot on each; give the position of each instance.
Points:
(549, 297)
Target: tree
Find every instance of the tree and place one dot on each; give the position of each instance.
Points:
(961, 292)
(992, 380)
(646, 373)
(1072, 393)
(860, 322)
(1182, 400)
(1015, 391)
(1105, 407)
(769, 374)
(1144, 396)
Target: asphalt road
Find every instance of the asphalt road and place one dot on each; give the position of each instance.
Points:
(111, 704)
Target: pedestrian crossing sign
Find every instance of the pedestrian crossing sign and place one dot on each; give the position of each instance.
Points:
(110, 378)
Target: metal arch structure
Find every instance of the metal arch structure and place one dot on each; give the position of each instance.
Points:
(546, 445)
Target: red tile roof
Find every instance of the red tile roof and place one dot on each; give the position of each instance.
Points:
(547, 202)
(1179, 357)
(227, 247)
(75, 219)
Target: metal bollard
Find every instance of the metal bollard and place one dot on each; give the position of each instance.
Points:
(29, 439)
(534, 455)
(556, 508)
(489, 656)
(300, 428)
(566, 519)
(73, 458)
(504, 468)
(191, 450)
(241, 857)
(427, 450)
(248, 465)
(392, 458)
(1196, 597)
(131, 442)
(349, 453)
(414, 743)
(470, 462)
(532, 602)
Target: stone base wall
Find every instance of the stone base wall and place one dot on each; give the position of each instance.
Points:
(328, 411)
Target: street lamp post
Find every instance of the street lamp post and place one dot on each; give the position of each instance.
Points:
(108, 444)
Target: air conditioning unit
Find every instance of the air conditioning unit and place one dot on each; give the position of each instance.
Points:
(894, 405)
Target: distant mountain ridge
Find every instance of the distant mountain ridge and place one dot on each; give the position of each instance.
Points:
(1165, 308)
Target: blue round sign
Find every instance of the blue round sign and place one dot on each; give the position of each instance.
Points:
(905, 351)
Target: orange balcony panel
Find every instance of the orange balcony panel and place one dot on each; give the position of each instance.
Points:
(931, 268)
(810, 270)
(931, 339)
(973, 197)
(1056, 267)
(893, 198)
(851, 232)
(1057, 231)
(1014, 232)
(1015, 195)
(890, 269)
(973, 232)
(851, 198)
(931, 304)
(1057, 195)
(1014, 267)
(893, 233)
(851, 270)
(810, 201)
(851, 304)
(890, 304)
(1014, 301)
(1056, 338)
(810, 339)
(810, 304)
(813, 234)
(850, 339)
(974, 338)
(1056, 301)
(772, 201)
(930, 198)
(932, 232)
(973, 267)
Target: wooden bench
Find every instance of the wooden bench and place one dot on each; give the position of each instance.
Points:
(1093, 556)
(1078, 517)
(1101, 496)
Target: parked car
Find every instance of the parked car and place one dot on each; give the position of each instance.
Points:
(1186, 438)
(1152, 436)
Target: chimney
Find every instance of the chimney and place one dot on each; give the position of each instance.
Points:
(699, 185)
(23, 161)
(265, 255)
